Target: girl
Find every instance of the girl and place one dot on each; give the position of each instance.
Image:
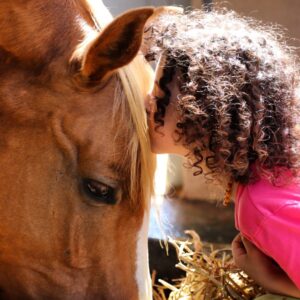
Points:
(225, 95)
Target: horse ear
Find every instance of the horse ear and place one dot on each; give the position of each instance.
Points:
(116, 46)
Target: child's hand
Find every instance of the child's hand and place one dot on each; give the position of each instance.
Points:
(262, 268)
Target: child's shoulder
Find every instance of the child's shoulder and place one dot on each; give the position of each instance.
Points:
(262, 200)
(268, 195)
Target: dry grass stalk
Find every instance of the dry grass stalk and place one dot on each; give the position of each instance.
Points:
(210, 275)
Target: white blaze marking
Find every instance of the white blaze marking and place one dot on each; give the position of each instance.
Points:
(142, 265)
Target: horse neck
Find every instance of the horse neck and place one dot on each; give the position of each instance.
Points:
(39, 31)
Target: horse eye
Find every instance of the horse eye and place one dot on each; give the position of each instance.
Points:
(99, 192)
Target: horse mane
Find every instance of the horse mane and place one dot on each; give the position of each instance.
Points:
(136, 79)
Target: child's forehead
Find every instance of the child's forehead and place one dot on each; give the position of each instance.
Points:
(160, 67)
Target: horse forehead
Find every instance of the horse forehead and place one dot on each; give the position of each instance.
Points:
(91, 115)
(86, 117)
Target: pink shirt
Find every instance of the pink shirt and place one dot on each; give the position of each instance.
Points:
(269, 216)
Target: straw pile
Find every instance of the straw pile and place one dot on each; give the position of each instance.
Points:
(210, 275)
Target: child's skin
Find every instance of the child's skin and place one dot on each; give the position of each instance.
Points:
(163, 138)
(246, 256)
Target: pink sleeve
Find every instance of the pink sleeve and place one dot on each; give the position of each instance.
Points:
(279, 237)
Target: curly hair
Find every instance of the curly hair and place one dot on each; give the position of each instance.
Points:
(238, 101)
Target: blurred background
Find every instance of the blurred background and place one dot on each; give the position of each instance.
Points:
(185, 201)
(118, 6)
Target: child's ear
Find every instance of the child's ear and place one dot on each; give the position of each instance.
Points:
(116, 45)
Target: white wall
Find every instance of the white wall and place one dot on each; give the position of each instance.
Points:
(118, 6)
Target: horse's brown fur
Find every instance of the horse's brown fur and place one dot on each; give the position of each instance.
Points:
(55, 243)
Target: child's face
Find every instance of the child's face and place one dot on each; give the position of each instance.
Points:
(163, 137)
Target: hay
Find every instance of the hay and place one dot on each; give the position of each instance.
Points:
(210, 275)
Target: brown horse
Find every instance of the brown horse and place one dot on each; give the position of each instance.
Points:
(76, 169)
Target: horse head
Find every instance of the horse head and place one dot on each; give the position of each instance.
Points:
(76, 168)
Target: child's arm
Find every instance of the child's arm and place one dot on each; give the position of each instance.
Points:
(262, 268)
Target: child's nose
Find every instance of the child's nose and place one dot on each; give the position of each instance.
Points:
(148, 103)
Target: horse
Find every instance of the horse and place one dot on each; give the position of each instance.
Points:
(76, 166)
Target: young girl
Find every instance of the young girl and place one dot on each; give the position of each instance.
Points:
(225, 95)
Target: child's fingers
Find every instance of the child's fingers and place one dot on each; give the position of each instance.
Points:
(255, 254)
(238, 251)
(250, 248)
(237, 244)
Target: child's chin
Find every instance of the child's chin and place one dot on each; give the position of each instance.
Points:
(156, 148)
